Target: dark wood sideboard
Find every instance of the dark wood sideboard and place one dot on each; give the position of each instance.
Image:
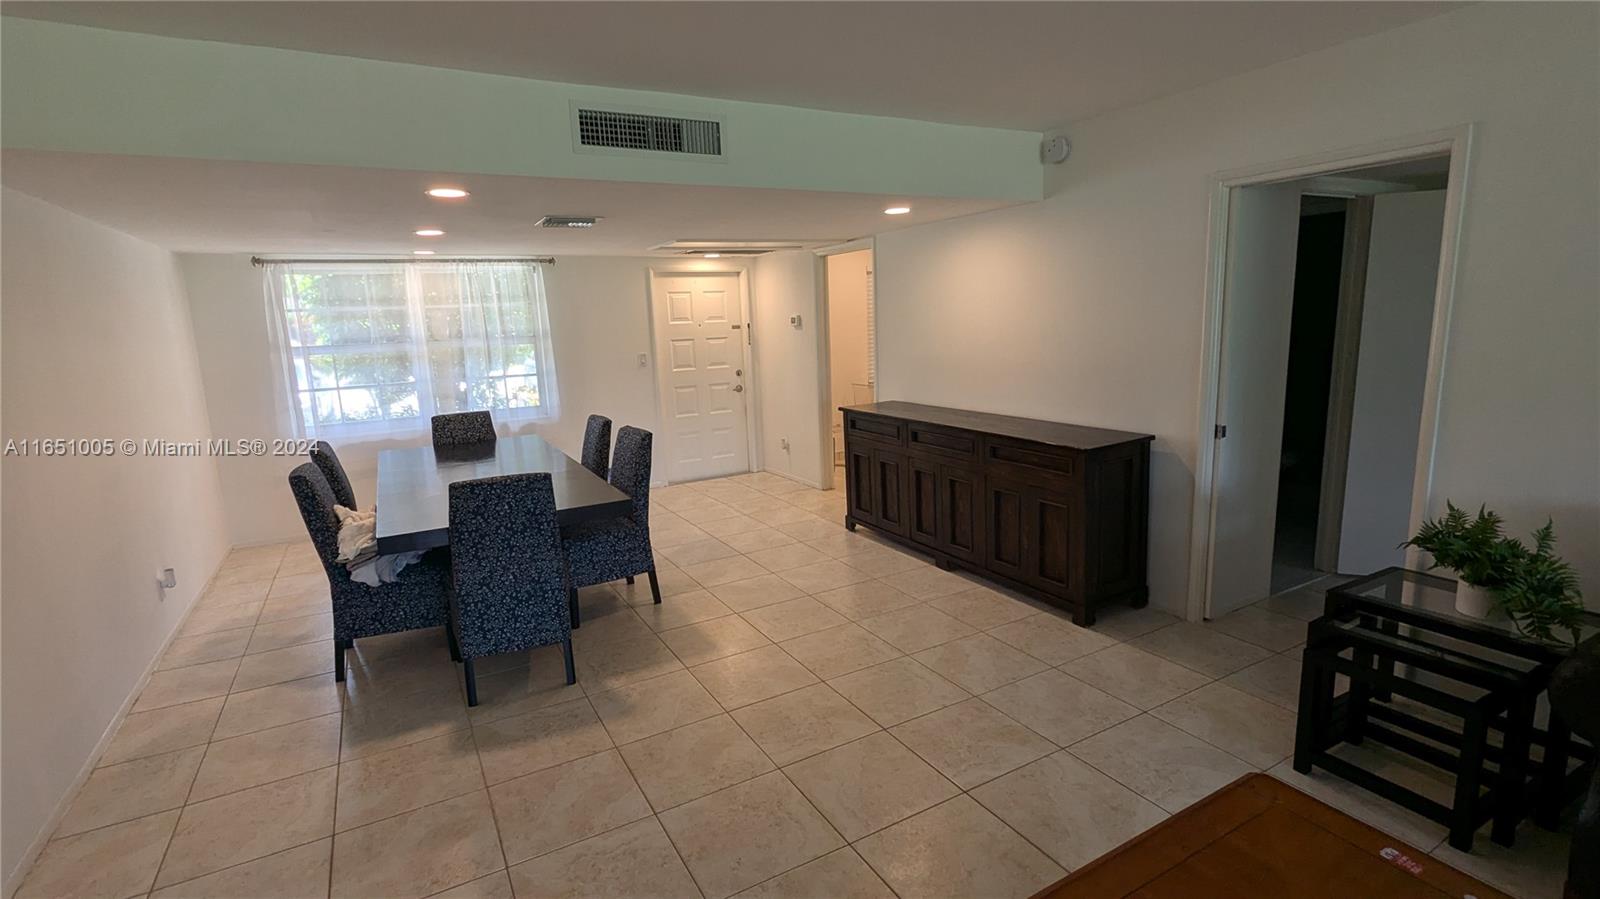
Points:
(1055, 511)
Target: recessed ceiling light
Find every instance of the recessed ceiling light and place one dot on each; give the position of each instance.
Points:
(422, 252)
(897, 210)
(446, 193)
(713, 255)
(428, 232)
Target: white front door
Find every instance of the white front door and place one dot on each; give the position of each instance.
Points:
(1258, 299)
(700, 358)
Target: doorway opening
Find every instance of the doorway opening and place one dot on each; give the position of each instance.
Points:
(1313, 324)
(850, 339)
(700, 321)
(1330, 324)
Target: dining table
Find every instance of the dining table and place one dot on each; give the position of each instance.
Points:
(414, 487)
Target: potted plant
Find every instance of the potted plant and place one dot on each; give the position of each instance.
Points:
(1534, 587)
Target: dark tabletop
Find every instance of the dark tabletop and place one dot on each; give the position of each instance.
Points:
(1051, 433)
(1430, 598)
(414, 487)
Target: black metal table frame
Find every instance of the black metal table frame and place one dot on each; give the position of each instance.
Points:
(1369, 628)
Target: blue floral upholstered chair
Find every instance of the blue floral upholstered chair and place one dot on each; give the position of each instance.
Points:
(338, 481)
(462, 428)
(597, 445)
(509, 584)
(602, 551)
(416, 600)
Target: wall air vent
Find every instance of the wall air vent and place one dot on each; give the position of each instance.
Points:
(566, 221)
(616, 130)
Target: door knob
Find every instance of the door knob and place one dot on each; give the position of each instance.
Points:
(738, 388)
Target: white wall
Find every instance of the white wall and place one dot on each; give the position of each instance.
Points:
(1088, 307)
(599, 319)
(1391, 369)
(847, 330)
(789, 376)
(97, 343)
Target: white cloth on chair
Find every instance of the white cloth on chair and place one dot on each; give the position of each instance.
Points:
(358, 549)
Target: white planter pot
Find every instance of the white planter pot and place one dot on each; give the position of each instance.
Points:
(1475, 602)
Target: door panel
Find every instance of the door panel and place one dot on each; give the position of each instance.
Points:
(1050, 522)
(1258, 299)
(888, 488)
(961, 524)
(925, 514)
(858, 485)
(1007, 547)
(701, 348)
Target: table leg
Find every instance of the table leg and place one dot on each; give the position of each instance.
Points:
(1312, 712)
(1392, 628)
(1469, 771)
(1553, 773)
(1509, 801)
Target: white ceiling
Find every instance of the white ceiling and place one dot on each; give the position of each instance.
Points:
(208, 206)
(1028, 65)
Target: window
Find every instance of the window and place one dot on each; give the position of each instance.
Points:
(382, 347)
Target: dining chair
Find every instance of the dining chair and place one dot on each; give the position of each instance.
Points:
(328, 461)
(416, 600)
(597, 445)
(459, 428)
(509, 578)
(603, 551)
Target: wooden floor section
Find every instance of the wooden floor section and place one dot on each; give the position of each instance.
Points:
(1261, 837)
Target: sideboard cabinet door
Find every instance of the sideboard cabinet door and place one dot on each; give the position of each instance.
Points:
(889, 490)
(960, 503)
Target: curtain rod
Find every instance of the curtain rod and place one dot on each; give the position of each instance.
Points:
(543, 260)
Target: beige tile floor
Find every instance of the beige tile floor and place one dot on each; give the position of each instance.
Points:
(809, 713)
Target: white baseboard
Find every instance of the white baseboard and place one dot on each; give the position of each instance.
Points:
(814, 485)
(15, 877)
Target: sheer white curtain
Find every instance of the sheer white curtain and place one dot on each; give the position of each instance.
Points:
(376, 349)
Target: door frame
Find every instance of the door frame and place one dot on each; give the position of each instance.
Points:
(670, 269)
(1457, 143)
(824, 353)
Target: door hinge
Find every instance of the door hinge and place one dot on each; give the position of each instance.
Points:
(1220, 432)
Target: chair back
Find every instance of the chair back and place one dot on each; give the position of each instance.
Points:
(328, 461)
(630, 470)
(597, 445)
(458, 428)
(509, 569)
(315, 498)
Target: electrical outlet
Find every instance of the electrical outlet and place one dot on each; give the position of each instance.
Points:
(794, 320)
(644, 360)
(168, 578)
(783, 443)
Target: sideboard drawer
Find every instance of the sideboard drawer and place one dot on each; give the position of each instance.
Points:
(945, 442)
(1031, 461)
(872, 429)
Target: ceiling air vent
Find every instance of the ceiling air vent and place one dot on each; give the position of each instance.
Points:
(566, 221)
(650, 133)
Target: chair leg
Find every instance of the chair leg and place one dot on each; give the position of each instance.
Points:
(450, 637)
(339, 646)
(566, 653)
(472, 682)
(572, 605)
(630, 579)
(655, 586)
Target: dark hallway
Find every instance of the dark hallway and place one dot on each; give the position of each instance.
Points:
(1305, 410)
